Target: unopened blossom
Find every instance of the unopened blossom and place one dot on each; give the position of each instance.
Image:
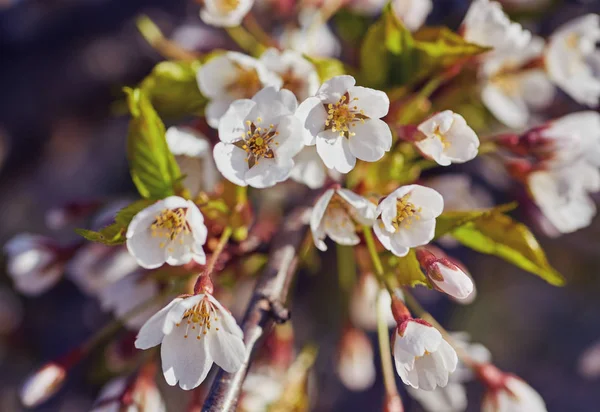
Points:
(309, 169)
(313, 37)
(33, 263)
(512, 91)
(194, 332)
(424, 360)
(120, 394)
(344, 121)
(567, 206)
(447, 139)
(339, 213)
(573, 61)
(225, 13)
(356, 360)
(193, 153)
(170, 231)
(95, 266)
(515, 395)
(297, 74)
(128, 293)
(364, 304)
(486, 24)
(259, 139)
(42, 384)
(407, 218)
(412, 13)
(229, 77)
(444, 275)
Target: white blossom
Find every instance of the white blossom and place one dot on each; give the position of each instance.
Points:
(487, 25)
(424, 360)
(193, 153)
(259, 139)
(297, 74)
(412, 13)
(309, 169)
(129, 293)
(356, 362)
(170, 231)
(511, 92)
(225, 13)
(229, 77)
(516, 396)
(95, 265)
(447, 139)
(142, 396)
(193, 332)
(313, 37)
(42, 384)
(337, 214)
(407, 218)
(343, 120)
(573, 61)
(33, 263)
(363, 305)
(451, 398)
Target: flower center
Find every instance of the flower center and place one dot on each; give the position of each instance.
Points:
(246, 83)
(200, 318)
(405, 212)
(508, 83)
(343, 115)
(228, 5)
(292, 82)
(257, 142)
(170, 223)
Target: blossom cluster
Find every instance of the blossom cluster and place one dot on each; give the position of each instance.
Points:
(278, 130)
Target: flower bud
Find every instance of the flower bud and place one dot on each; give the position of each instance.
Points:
(356, 365)
(42, 384)
(444, 275)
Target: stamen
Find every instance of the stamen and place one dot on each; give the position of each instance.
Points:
(341, 116)
(405, 212)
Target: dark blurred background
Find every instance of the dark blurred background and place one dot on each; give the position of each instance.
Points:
(62, 66)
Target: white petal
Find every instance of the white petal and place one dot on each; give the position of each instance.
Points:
(151, 333)
(509, 109)
(232, 127)
(333, 89)
(371, 140)
(215, 109)
(366, 211)
(268, 172)
(312, 115)
(226, 318)
(175, 315)
(227, 350)
(186, 141)
(185, 359)
(316, 219)
(231, 162)
(290, 137)
(215, 75)
(309, 168)
(374, 103)
(340, 228)
(388, 240)
(429, 199)
(335, 152)
(418, 338)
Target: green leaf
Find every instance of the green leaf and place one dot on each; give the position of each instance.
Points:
(153, 168)
(408, 270)
(173, 90)
(498, 234)
(374, 57)
(445, 47)
(114, 234)
(448, 221)
(327, 67)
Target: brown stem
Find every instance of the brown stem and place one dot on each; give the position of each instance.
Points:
(265, 308)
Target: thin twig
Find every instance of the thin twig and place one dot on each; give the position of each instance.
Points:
(265, 308)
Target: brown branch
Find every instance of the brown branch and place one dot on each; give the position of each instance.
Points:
(265, 308)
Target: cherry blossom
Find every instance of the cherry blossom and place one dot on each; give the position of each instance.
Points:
(170, 231)
(364, 307)
(343, 120)
(33, 263)
(309, 169)
(229, 77)
(356, 362)
(338, 213)
(313, 37)
(424, 360)
(259, 139)
(444, 275)
(193, 153)
(298, 74)
(514, 396)
(412, 13)
(573, 61)
(225, 13)
(42, 384)
(407, 218)
(447, 139)
(194, 332)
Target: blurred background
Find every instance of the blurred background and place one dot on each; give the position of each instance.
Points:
(63, 64)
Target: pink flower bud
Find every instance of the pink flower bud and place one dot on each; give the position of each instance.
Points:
(444, 275)
(42, 384)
